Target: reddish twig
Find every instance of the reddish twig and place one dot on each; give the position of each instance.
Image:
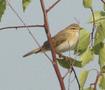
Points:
(46, 26)
(52, 48)
(103, 1)
(93, 28)
(26, 26)
(95, 83)
(53, 5)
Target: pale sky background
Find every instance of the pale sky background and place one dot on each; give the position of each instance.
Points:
(35, 72)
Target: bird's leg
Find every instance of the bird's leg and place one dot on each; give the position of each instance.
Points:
(60, 55)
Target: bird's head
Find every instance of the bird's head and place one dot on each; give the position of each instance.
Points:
(74, 26)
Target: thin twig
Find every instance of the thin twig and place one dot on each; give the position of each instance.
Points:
(103, 1)
(68, 72)
(96, 81)
(53, 5)
(65, 74)
(95, 84)
(76, 78)
(33, 37)
(93, 28)
(47, 30)
(16, 27)
(69, 82)
(70, 67)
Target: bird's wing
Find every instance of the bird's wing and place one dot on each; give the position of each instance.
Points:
(60, 38)
(57, 40)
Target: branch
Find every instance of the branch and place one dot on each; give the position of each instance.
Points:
(76, 78)
(95, 83)
(52, 6)
(93, 28)
(16, 27)
(47, 30)
(33, 37)
(67, 73)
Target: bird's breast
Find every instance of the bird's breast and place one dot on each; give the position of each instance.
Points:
(69, 44)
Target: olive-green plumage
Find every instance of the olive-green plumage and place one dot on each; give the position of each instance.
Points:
(63, 41)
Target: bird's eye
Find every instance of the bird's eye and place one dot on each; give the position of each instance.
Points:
(72, 28)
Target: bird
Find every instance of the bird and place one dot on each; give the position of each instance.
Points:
(65, 40)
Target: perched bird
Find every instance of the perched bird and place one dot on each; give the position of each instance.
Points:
(64, 40)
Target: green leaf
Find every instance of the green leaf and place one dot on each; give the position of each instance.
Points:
(83, 41)
(2, 7)
(87, 56)
(103, 69)
(87, 3)
(83, 77)
(89, 88)
(97, 47)
(102, 57)
(102, 82)
(100, 33)
(25, 4)
(99, 16)
(67, 62)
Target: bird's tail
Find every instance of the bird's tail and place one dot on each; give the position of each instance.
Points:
(37, 50)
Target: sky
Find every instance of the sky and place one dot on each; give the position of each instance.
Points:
(36, 72)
